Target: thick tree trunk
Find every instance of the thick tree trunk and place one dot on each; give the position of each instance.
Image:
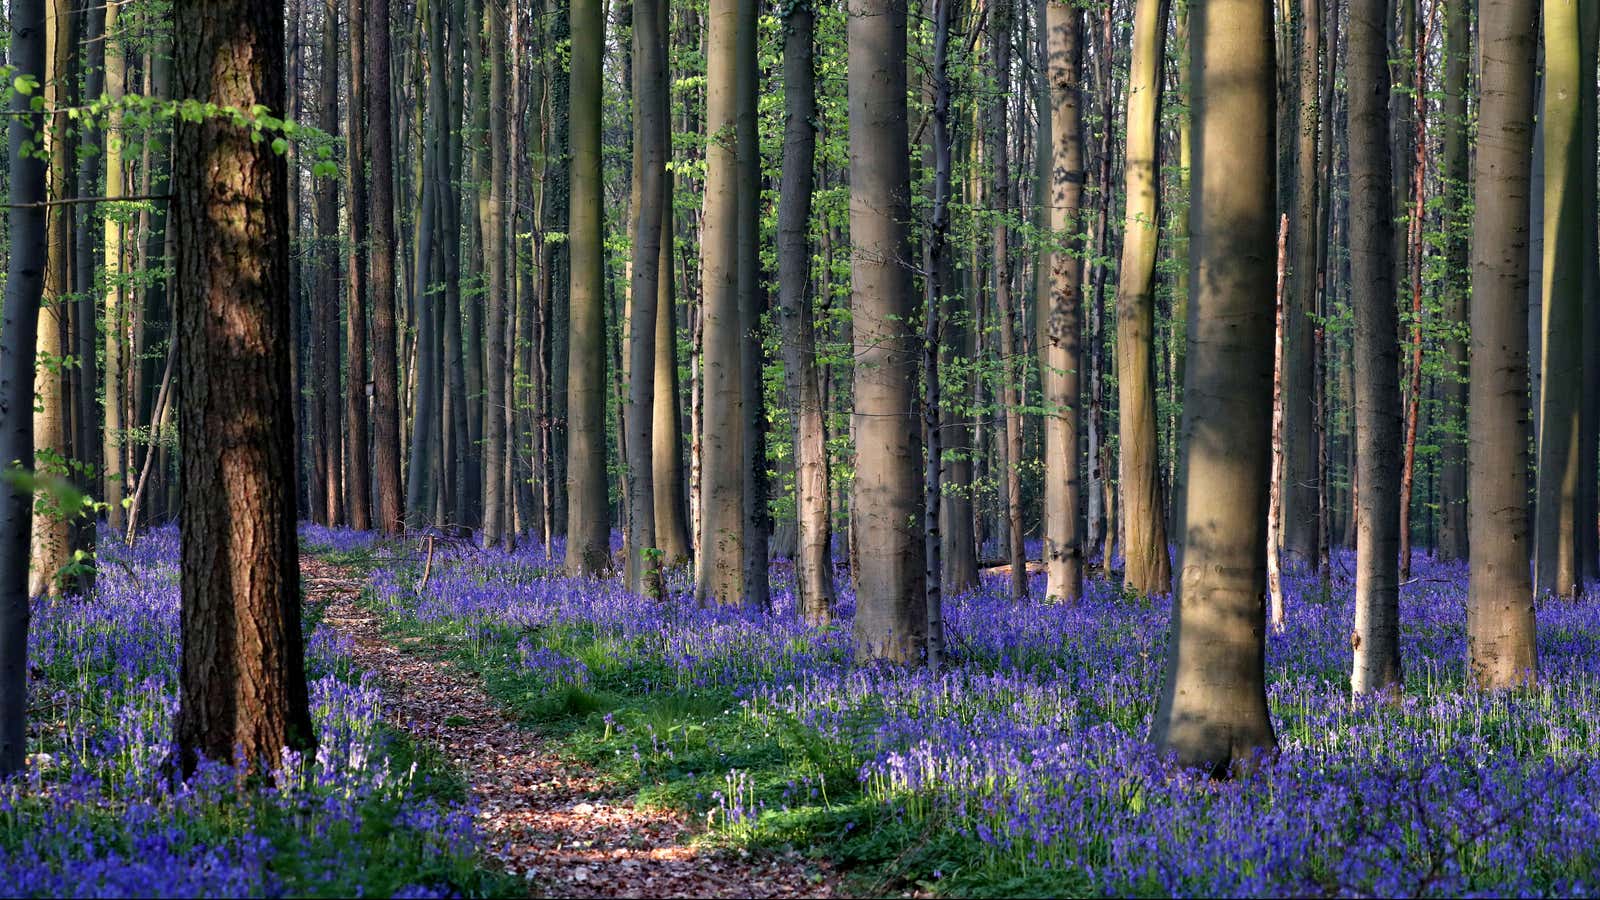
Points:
(1556, 566)
(813, 560)
(1500, 625)
(588, 526)
(24, 291)
(891, 618)
(1213, 705)
(720, 560)
(1376, 639)
(242, 686)
(1148, 569)
(1061, 341)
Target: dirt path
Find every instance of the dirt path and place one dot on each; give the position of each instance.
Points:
(543, 818)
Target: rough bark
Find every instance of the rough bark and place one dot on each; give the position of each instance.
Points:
(241, 683)
(1500, 625)
(1213, 704)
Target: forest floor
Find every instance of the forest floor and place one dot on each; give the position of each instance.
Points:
(552, 820)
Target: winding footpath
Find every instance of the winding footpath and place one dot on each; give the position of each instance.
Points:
(548, 820)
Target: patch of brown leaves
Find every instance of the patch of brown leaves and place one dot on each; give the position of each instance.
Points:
(548, 820)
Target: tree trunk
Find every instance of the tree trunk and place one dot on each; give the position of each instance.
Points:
(326, 324)
(1148, 569)
(1414, 241)
(891, 619)
(752, 306)
(1453, 450)
(1213, 704)
(588, 528)
(380, 254)
(1000, 26)
(1376, 639)
(1302, 476)
(116, 74)
(23, 294)
(1500, 626)
(1060, 342)
(813, 560)
(650, 149)
(1555, 565)
(720, 562)
(242, 687)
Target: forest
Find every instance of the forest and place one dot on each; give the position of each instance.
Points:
(808, 448)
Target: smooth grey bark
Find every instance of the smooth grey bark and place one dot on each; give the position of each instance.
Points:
(1212, 710)
(1500, 617)
(24, 291)
(1376, 640)
(891, 617)
(813, 558)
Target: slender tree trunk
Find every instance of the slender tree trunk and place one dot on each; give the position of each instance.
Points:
(390, 509)
(1453, 450)
(891, 618)
(813, 561)
(242, 687)
(1275, 485)
(1556, 568)
(1301, 476)
(1376, 639)
(1414, 241)
(1500, 625)
(1000, 26)
(24, 292)
(937, 280)
(1148, 569)
(720, 562)
(326, 326)
(588, 531)
(116, 74)
(1213, 704)
(1060, 343)
(752, 307)
(651, 149)
(357, 413)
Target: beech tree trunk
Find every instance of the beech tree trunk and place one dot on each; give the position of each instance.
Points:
(241, 684)
(1458, 191)
(1148, 569)
(1500, 624)
(1061, 342)
(1556, 567)
(1302, 475)
(390, 506)
(588, 525)
(1213, 705)
(813, 559)
(24, 292)
(1376, 639)
(891, 618)
(1000, 25)
(720, 557)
